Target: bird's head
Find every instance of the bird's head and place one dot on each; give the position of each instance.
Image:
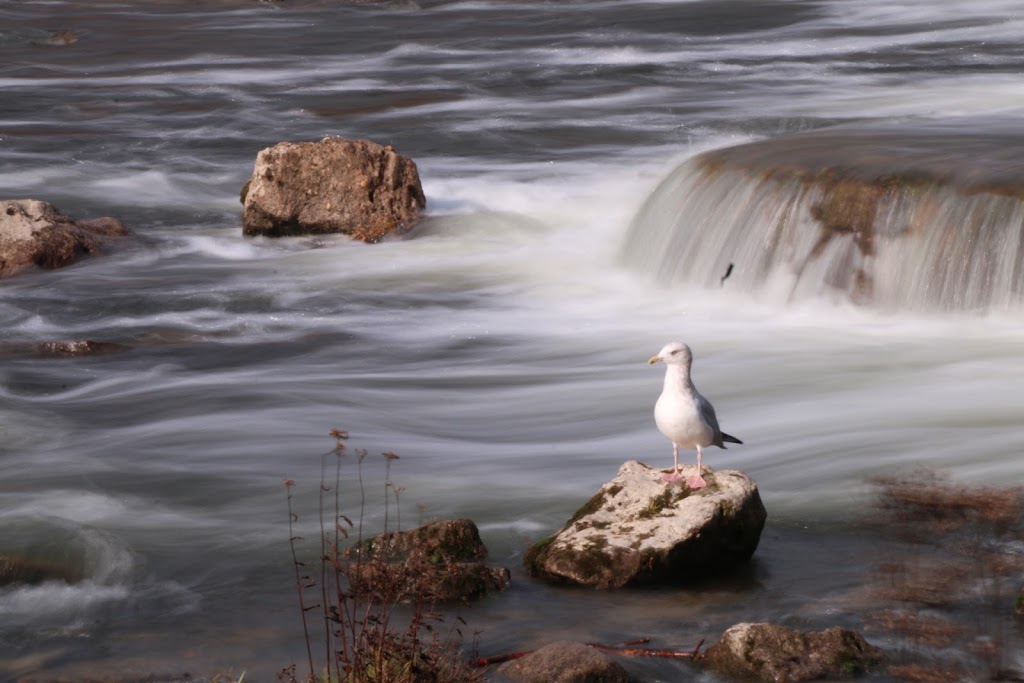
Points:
(674, 353)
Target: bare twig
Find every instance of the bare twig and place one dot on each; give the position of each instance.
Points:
(292, 517)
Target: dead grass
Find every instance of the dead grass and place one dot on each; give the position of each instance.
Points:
(356, 607)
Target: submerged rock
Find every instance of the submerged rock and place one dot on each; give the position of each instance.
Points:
(16, 568)
(564, 662)
(639, 529)
(33, 232)
(78, 347)
(767, 652)
(441, 561)
(61, 348)
(355, 187)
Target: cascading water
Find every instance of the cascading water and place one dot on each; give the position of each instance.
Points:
(863, 215)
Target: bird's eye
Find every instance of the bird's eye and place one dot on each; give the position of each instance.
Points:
(675, 352)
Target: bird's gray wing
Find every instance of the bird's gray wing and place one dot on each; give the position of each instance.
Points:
(707, 413)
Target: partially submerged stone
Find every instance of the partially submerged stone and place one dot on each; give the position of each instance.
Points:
(564, 662)
(777, 654)
(639, 529)
(33, 232)
(77, 347)
(441, 561)
(21, 569)
(354, 187)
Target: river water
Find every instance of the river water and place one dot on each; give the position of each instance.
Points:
(500, 350)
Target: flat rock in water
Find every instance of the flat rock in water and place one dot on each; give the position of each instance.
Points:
(639, 529)
(564, 662)
(778, 654)
(33, 232)
(353, 187)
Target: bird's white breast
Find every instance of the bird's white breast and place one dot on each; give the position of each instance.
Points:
(678, 418)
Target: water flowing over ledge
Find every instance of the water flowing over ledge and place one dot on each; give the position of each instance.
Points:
(925, 219)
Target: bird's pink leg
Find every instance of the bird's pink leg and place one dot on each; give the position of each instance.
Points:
(697, 482)
(674, 476)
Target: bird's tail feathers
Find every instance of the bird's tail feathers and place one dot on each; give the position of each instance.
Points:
(730, 438)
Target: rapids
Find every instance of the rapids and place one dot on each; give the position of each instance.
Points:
(499, 350)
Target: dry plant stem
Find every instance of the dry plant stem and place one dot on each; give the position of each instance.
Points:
(367, 638)
(338, 531)
(292, 517)
(387, 497)
(323, 568)
(361, 455)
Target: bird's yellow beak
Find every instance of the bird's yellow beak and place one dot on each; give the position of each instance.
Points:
(653, 360)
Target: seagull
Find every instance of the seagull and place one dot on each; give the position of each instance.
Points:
(685, 417)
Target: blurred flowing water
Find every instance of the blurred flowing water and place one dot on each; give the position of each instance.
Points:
(500, 349)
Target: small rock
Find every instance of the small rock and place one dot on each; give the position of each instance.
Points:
(565, 662)
(767, 652)
(34, 232)
(77, 347)
(20, 569)
(441, 561)
(640, 530)
(65, 36)
(355, 187)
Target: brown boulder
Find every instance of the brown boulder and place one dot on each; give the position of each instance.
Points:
(441, 561)
(354, 187)
(777, 654)
(34, 232)
(564, 662)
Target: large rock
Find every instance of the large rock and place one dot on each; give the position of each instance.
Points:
(355, 187)
(767, 652)
(440, 561)
(639, 529)
(33, 232)
(564, 662)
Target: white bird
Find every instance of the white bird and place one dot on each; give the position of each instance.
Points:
(682, 414)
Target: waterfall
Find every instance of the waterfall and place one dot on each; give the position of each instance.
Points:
(927, 222)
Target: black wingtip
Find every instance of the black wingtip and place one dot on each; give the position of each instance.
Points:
(730, 438)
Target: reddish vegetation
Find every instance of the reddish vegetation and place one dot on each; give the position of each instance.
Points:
(948, 592)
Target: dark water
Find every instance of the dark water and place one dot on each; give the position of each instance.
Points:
(500, 351)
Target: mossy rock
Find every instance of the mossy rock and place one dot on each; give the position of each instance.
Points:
(639, 529)
(767, 652)
(438, 562)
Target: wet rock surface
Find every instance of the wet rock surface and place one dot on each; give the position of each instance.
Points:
(354, 187)
(21, 569)
(767, 652)
(639, 529)
(33, 232)
(564, 662)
